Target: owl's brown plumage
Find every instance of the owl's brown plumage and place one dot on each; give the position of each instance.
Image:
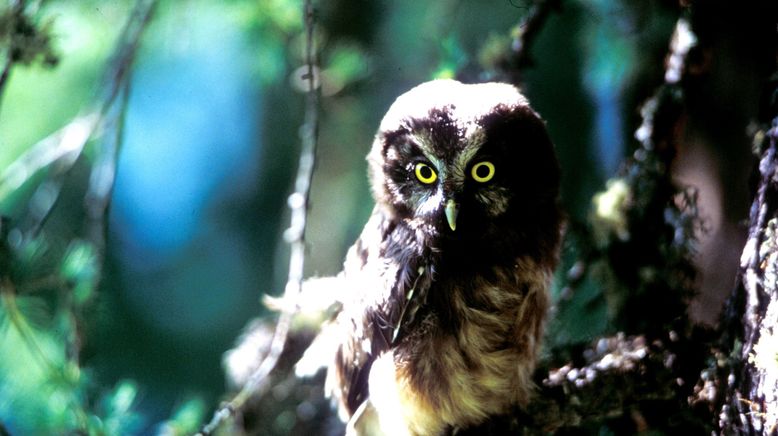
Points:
(446, 290)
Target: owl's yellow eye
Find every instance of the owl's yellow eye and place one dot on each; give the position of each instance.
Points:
(482, 171)
(425, 173)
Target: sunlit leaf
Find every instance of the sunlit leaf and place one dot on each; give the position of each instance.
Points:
(346, 64)
(452, 58)
(118, 415)
(80, 269)
(186, 420)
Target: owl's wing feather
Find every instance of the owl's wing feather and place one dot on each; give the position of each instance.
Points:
(415, 298)
(381, 277)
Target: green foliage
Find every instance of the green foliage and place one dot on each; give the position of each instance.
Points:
(83, 45)
(186, 420)
(344, 64)
(80, 270)
(116, 411)
(453, 58)
(274, 24)
(49, 278)
(44, 389)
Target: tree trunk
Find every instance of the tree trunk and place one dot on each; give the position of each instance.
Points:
(751, 402)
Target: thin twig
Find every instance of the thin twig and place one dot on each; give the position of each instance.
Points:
(62, 146)
(124, 55)
(66, 146)
(96, 201)
(518, 57)
(103, 175)
(16, 10)
(8, 298)
(295, 235)
(6, 73)
(530, 28)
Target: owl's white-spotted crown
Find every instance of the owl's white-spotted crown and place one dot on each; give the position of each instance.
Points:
(467, 102)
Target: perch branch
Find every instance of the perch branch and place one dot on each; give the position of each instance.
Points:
(618, 374)
(294, 235)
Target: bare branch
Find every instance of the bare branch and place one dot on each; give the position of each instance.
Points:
(294, 235)
(529, 29)
(118, 72)
(64, 147)
(518, 57)
(103, 175)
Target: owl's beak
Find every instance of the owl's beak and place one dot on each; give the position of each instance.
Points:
(452, 210)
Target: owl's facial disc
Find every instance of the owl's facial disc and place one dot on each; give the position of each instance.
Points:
(441, 186)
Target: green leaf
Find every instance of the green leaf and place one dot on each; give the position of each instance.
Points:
(80, 269)
(186, 420)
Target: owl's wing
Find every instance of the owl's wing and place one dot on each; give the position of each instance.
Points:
(380, 272)
(389, 287)
(414, 299)
(363, 328)
(347, 377)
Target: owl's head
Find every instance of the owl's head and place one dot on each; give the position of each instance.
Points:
(458, 160)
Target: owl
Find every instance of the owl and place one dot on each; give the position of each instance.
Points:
(444, 295)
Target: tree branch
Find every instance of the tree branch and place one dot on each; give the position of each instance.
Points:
(518, 57)
(750, 404)
(294, 235)
(64, 147)
(629, 383)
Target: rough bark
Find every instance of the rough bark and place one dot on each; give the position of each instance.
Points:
(751, 400)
